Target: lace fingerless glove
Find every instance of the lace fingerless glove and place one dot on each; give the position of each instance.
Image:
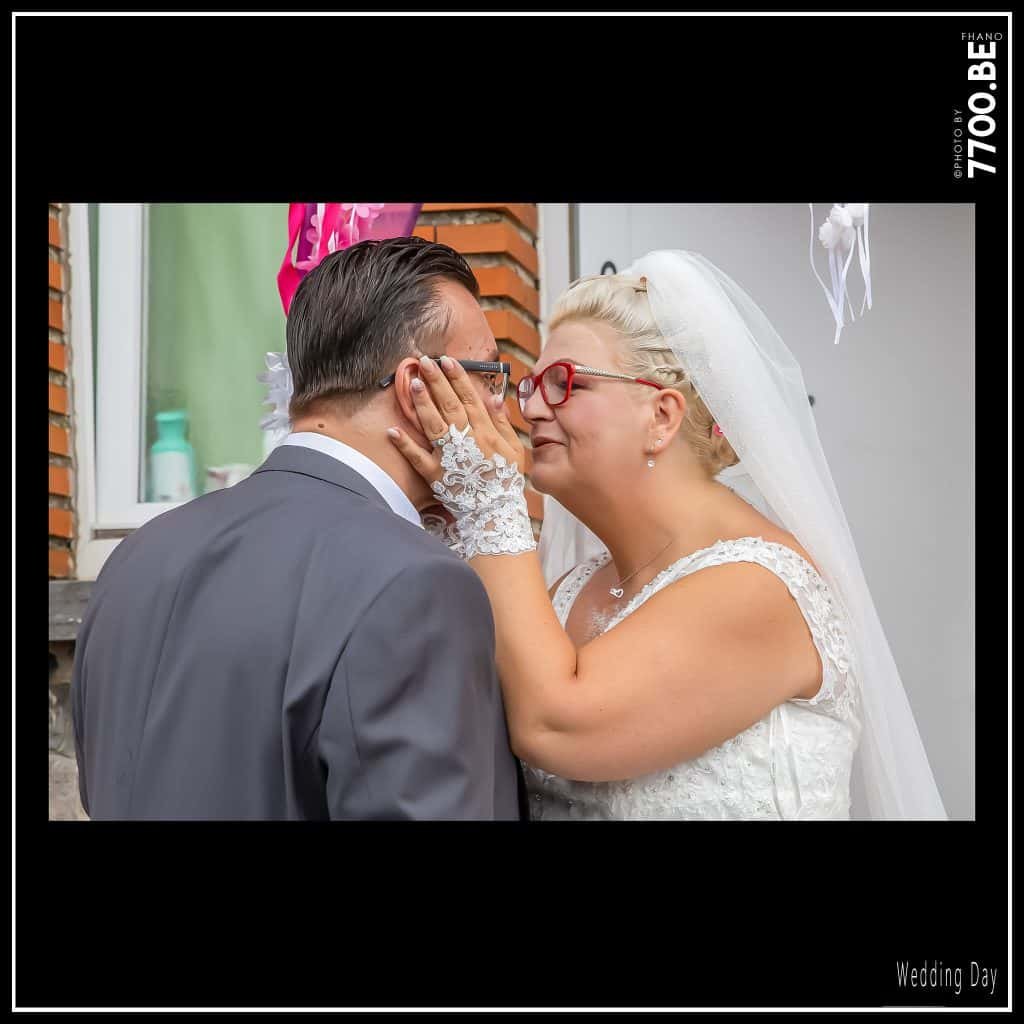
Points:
(486, 497)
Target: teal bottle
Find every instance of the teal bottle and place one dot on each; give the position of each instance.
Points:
(172, 462)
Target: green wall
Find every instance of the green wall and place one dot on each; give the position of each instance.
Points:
(213, 314)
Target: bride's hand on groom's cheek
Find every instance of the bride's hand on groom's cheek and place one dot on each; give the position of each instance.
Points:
(447, 397)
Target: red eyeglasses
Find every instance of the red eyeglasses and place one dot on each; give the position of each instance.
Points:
(555, 382)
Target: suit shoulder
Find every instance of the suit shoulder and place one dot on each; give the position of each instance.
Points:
(389, 539)
(438, 586)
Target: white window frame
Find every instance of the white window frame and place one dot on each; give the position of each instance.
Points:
(108, 446)
(120, 374)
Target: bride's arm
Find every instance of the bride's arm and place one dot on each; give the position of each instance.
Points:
(553, 589)
(695, 664)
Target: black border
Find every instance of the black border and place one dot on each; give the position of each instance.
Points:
(541, 109)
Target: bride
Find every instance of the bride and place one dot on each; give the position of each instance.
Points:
(706, 656)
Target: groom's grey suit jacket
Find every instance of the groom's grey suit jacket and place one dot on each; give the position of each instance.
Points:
(290, 648)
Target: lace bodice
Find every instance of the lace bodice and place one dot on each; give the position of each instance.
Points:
(794, 763)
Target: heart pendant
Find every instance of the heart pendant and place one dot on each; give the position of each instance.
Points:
(616, 591)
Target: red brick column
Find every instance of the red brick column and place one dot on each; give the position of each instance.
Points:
(61, 512)
(499, 241)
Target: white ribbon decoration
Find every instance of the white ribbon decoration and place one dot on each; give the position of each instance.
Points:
(845, 231)
(865, 255)
(279, 393)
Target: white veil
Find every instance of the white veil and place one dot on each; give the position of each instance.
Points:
(753, 386)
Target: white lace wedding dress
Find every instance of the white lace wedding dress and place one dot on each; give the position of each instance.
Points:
(794, 763)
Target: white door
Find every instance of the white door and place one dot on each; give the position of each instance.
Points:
(894, 405)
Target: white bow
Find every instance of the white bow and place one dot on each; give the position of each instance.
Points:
(845, 230)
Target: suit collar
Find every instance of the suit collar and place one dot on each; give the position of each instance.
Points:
(288, 458)
(379, 479)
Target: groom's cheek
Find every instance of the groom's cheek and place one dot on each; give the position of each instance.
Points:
(440, 511)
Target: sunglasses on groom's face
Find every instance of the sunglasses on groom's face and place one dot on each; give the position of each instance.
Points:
(496, 375)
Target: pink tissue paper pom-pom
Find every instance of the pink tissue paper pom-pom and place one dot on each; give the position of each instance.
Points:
(364, 211)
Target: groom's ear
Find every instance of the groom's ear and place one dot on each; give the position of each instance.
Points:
(408, 370)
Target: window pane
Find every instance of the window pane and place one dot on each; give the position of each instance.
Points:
(212, 313)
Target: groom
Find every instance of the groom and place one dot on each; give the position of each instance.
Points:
(298, 646)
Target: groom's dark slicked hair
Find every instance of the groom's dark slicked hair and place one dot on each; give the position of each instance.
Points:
(363, 309)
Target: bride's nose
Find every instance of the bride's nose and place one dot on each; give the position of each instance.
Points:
(536, 408)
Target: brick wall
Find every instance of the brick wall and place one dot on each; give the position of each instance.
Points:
(64, 801)
(61, 512)
(499, 241)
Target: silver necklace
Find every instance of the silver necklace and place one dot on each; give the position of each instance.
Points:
(617, 590)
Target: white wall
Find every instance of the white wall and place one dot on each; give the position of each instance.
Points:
(553, 252)
(894, 405)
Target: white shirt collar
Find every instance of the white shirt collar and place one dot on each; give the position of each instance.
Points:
(366, 468)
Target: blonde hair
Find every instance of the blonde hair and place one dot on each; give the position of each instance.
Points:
(621, 303)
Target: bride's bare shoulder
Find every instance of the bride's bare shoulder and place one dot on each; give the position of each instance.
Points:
(753, 524)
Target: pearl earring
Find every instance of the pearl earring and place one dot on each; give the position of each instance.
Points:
(650, 463)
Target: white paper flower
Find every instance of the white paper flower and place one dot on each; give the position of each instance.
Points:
(840, 217)
(279, 392)
(845, 232)
(828, 235)
(857, 212)
(842, 226)
(832, 235)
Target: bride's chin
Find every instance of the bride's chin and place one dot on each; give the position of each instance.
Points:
(545, 480)
(539, 479)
